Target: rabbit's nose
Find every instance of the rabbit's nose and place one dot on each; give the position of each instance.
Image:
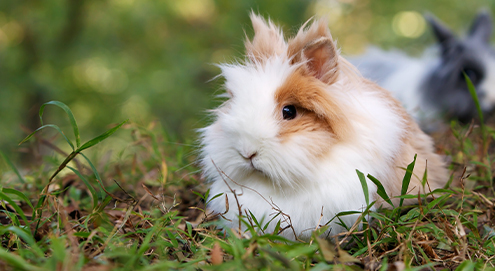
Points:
(249, 155)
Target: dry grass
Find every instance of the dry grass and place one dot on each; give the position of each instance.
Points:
(145, 211)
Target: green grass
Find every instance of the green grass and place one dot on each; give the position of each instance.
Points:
(144, 209)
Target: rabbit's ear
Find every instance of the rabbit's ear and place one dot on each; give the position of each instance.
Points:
(481, 28)
(268, 40)
(442, 33)
(322, 59)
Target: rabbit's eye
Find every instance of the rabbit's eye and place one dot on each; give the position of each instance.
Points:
(473, 74)
(289, 112)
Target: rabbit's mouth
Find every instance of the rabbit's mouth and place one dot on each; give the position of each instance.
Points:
(253, 165)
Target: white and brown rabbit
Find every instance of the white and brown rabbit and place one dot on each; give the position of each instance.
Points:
(297, 124)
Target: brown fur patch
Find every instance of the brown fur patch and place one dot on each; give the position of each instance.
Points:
(317, 110)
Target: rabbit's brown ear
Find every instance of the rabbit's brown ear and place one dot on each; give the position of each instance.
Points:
(268, 40)
(322, 59)
(481, 28)
(314, 47)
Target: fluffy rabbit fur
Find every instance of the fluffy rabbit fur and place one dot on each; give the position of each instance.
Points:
(433, 87)
(297, 124)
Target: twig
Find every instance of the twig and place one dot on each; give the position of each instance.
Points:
(272, 204)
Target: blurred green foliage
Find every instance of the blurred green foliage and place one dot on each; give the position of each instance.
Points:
(147, 59)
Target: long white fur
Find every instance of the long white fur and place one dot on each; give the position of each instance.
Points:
(288, 176)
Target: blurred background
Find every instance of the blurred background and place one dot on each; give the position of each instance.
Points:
(151, 60)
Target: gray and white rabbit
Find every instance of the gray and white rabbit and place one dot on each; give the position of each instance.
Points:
(433, 87)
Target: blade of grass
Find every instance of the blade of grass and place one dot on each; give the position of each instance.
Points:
(19, 194)
(95, 172)
(484, 134)
(13, 217)
(405, 185)
(46, 126)
(425, 177)
(67, 110)
(90, 187)
(15, 206)
(364, 185)
(474, 95)
(72, 155)
(11, 165)
(407, 179)
(26, 236)
(101, 137)
(380, 190)
(17, 261)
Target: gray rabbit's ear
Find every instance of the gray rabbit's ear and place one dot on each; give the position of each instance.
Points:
(442, 33)
(481, 28)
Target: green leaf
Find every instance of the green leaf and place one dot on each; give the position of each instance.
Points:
(270, 221)
(380, 190)
(172, 238)
(19, 194)
(189, 229)
(7, 160)
(72, 120)
(82, 234)
(364, 185)
(90, 187)
(214, 197)
(198, 194)
(100, 138)
(255, 220)
(425, 178)
(467, 265)
(26, 236)
(95, 172)
(17, 261)
(470, 225)
(13, 217)
(15, 206)
(407, 179)
(434, 202)
(480, 164)
(46, 126)
(413, 213)
(348, 213)
(474, 95)
(277, 227)
(57, 247)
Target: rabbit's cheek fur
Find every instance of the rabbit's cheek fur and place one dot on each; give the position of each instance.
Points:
(488, 87)
(308, 131)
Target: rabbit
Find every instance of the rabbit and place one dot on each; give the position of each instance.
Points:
(433, 88)
(298, 122)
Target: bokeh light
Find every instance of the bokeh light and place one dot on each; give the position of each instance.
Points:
(330, 9)
(195, 10)
(409, 24)
(154, 60)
